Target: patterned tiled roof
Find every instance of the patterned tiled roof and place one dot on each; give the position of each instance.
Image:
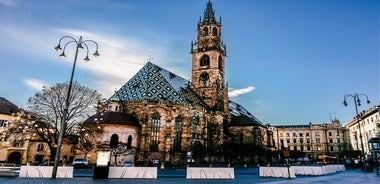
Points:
(155, 83)
(241, 117)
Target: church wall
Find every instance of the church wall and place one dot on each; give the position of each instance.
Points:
(168, 113)
(123, 133)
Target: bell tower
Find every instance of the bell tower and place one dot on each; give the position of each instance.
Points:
(208, 62)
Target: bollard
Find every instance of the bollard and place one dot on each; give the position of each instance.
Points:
(162, 165)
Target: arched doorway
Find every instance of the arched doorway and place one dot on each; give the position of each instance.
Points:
(14, 157)
(198, 152)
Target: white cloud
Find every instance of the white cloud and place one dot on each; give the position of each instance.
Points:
(120, 57)
(8, 2)
(237, 92)
(35, 84)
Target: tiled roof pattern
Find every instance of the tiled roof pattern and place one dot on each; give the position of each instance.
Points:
(241, 117)
(154, 83)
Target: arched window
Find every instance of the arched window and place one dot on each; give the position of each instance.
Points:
(204, 78)
(114, 141)
(205, 60)
(129, 142)
(220, 63)
(205, 31)
(178, 134)
(155, 134)
(214, 31)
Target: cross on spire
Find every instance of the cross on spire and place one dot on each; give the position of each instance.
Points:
(150, 58)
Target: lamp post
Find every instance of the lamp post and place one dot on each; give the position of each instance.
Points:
(79, 46)
(301, 141)
(357, 103)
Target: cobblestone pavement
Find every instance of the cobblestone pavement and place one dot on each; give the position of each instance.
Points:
(242, 176)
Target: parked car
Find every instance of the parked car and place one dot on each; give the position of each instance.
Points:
(127, 164)
(80, 162)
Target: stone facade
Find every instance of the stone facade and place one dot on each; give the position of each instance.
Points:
(182, 121)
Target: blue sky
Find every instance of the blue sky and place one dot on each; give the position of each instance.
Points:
(289, 61)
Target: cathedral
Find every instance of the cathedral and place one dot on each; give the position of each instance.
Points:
(158, 115)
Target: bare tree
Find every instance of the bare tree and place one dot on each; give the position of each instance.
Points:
(45, 113)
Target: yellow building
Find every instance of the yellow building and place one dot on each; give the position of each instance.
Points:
(27, 148)
(313, 140)
(364, 131)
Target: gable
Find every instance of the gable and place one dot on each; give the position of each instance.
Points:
(155, 83)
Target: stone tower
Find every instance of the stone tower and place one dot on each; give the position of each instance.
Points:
(208, 62)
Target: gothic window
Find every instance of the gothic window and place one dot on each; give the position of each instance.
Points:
(178, 134)
(194, 125)
(155, 134)
(214, 31)
(205, 31)
(205, 60)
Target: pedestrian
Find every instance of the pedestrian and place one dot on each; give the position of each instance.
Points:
(376, 164)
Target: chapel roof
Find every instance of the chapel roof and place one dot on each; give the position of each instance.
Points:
(241, 117)
(113, 118)
(155, 83)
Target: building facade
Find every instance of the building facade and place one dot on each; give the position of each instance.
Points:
(313, 140)
(365, 137)
(26, 148)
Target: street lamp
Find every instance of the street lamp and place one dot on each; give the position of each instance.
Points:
(357, 103)
(79, 46)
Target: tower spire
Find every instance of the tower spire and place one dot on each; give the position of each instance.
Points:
(209, 14)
